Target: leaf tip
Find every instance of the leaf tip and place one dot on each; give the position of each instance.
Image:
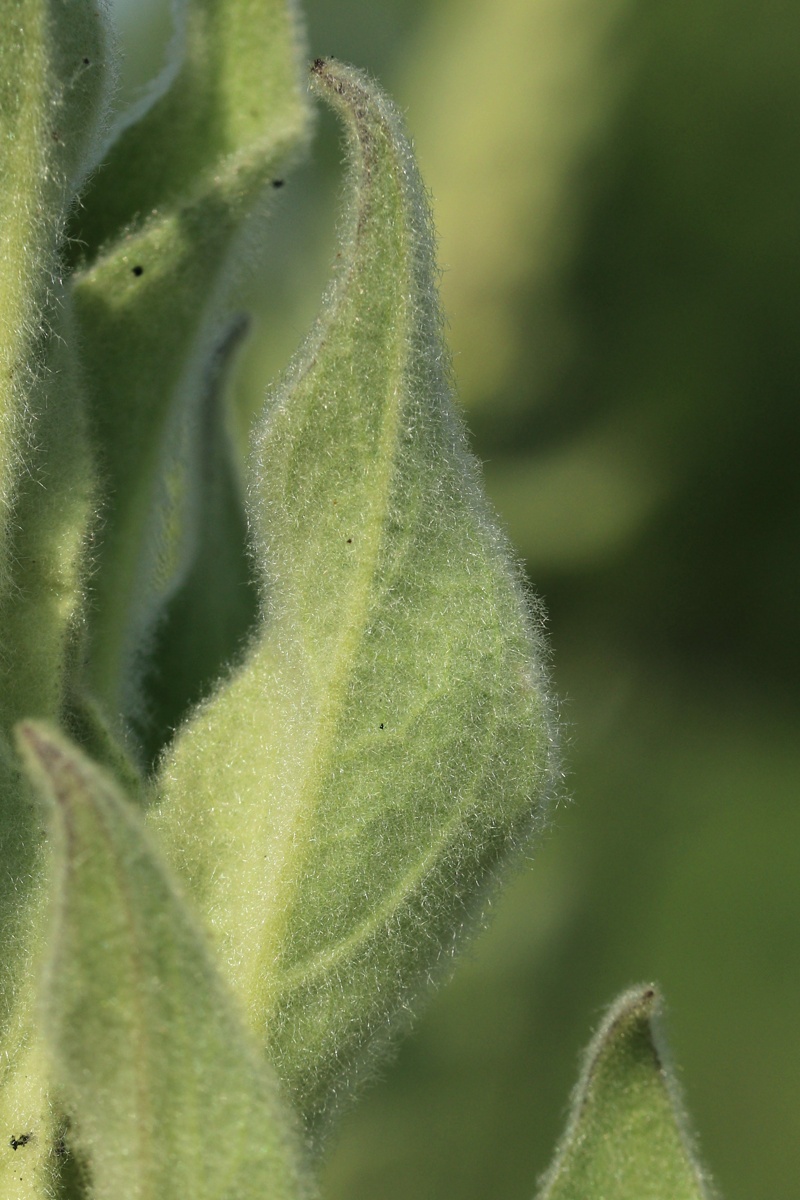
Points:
(47, 760)
(640, 1002)
(35, 743)
(634, 1016)
(628, 1135)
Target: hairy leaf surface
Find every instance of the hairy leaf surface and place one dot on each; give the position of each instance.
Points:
(53, 88)
(342, 802)
(626, 1138)
(170, 221)
(167, 1094)
(29, 1169)
(54, 85)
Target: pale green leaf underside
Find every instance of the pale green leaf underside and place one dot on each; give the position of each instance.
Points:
(342, 802)
(170, 219)
(166, 1093)
(626, 1139)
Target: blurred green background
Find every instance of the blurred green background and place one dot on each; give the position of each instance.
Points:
(616, 186)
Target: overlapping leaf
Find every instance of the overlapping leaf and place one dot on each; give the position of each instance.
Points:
(167, 1094)
(168, 222)
(53, 84)
(344, 799)
(53, 91)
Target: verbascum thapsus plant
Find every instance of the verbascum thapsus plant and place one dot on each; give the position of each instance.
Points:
(278, 723)
(336, 807)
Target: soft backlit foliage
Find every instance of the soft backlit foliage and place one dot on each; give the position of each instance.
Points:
(339, 806)
(379, 750)
(279, 723)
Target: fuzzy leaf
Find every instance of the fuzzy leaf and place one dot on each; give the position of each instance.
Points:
(169, 223)
(341, 804)
(53, 88)
(54, 84)
(166, 1092)
(29, 1168)
(626, 1138)
(217, 603)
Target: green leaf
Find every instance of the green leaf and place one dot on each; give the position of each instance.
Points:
(29, 1168)
(53, 89)
(54, 84)
(170, 223)
(166, 1092)
(626, 1138)
(342, 803)
(217, 603)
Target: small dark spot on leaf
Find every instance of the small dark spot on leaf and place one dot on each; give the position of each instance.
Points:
(86, 62)
(349, 541)
(55, 135)
(276, 183)
(381, 725)
(137, 270)
(22, 1140)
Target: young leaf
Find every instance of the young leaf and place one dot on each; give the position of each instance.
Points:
(166, 1093)
(626, 1138)
(170, 220)
(342, 802)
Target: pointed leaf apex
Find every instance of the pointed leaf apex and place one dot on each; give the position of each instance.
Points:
(627, 1137)
(48, 761)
